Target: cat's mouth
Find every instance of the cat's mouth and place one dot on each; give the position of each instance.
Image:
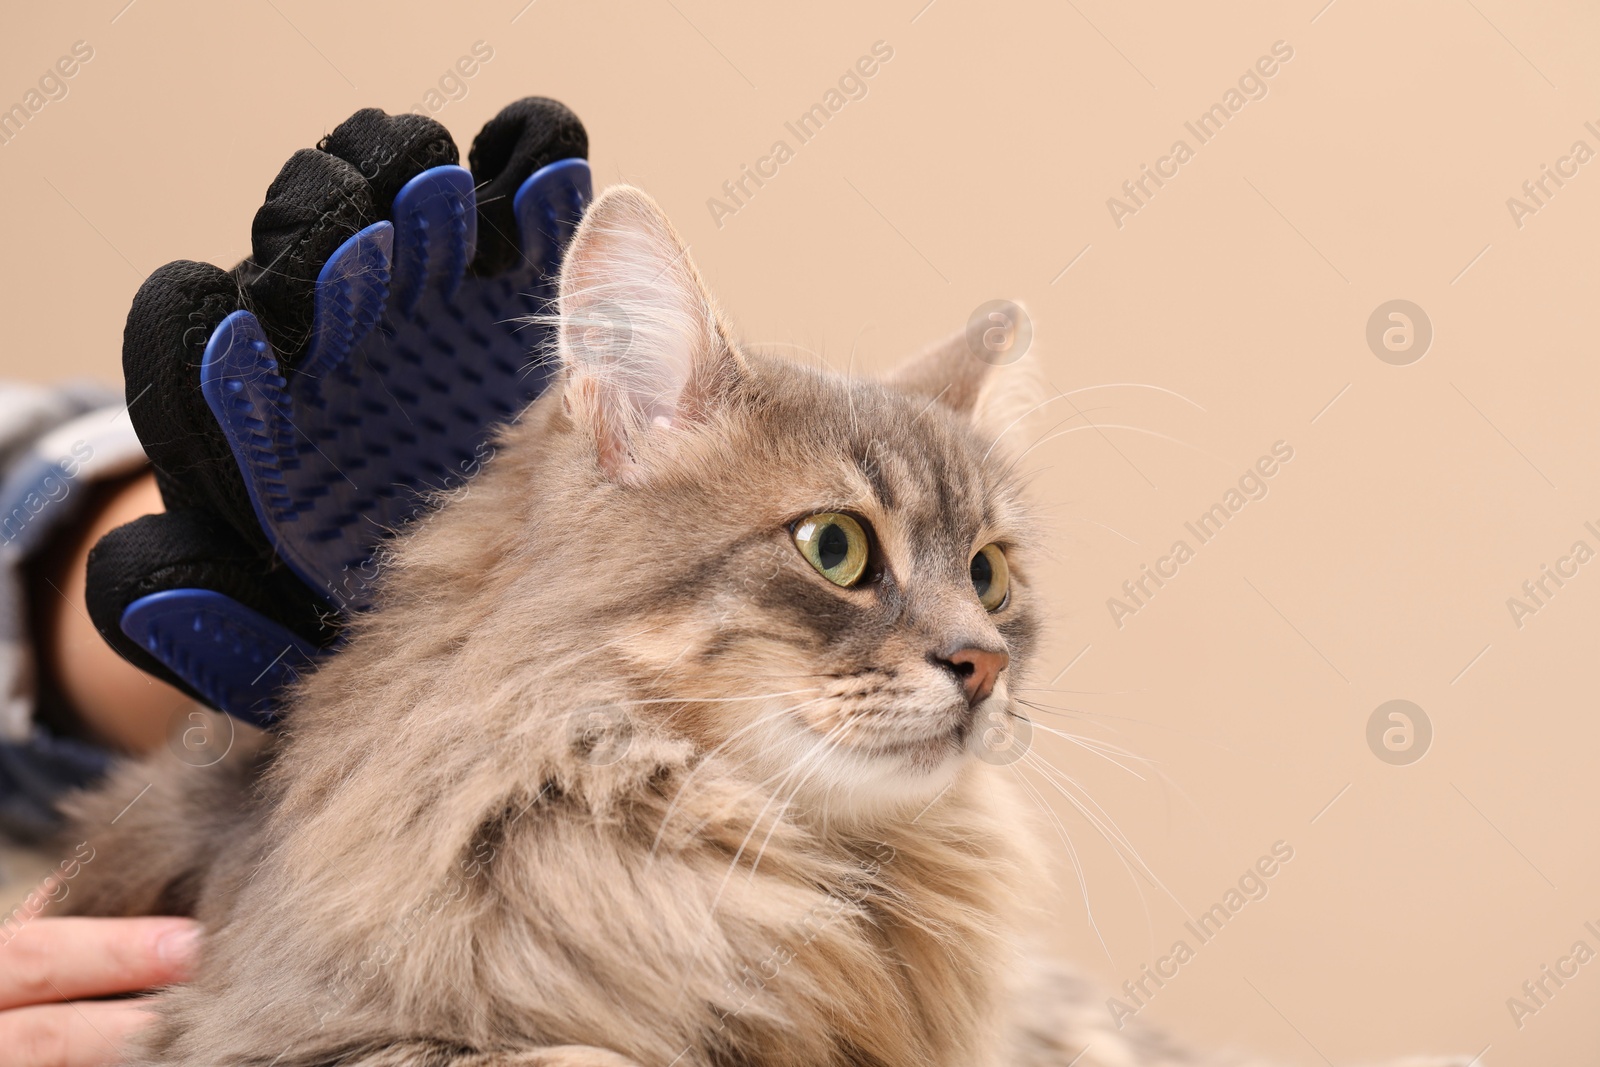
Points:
(925, 751)
(894, 731)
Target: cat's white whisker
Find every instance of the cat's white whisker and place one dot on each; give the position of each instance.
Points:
(707, 760)
(1165, 779)
(755, 824)
(1116, 849)
(1102, 749)
(1076, 692)
(1122, 426)
(1086, 805)
(1102, 821)
(1144, 902)
(702, 942)
(1100, 718)
(1103, 526)
(1136, 385)
(830, 742)
(1060, 395)
(712, 700)
(785, 776)
(1076, 414)
(1072, 855)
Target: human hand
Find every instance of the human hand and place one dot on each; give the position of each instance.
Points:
(50, 969)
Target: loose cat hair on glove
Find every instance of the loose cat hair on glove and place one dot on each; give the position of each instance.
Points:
(659, 747)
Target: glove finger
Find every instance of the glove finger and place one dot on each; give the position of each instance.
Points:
(191, 549)
(316, 203)
(320, 201)
(389, 150)
(527, 135)
(163, 342)
(434, 217)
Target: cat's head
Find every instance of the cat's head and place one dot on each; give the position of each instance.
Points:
(824, 578)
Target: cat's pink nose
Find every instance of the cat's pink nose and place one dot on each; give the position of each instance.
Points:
(977, 669)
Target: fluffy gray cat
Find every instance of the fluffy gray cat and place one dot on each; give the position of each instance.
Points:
(660, 746)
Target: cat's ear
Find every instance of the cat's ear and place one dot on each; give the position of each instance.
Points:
(639, 335)
(979, 373)
(961, 371)
(946, 372)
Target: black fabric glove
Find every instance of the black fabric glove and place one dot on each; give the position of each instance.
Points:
(341, 361)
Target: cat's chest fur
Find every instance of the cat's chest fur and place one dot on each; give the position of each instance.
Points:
(907, 934)
(661, 906)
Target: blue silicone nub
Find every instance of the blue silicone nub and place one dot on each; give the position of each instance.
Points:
(436, 203)
(235, 658)
(548, 207)
(411, 363)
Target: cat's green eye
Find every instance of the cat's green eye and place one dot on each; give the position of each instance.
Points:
(991, 579)
(835, 544)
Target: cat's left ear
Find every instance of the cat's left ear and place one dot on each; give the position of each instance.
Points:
(956, 374)
(640, 337)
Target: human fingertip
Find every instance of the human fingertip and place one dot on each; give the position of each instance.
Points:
(179, 945)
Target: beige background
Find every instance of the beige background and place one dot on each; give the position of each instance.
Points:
(1419, 498)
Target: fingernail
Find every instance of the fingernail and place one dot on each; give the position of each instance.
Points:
(179, 945)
